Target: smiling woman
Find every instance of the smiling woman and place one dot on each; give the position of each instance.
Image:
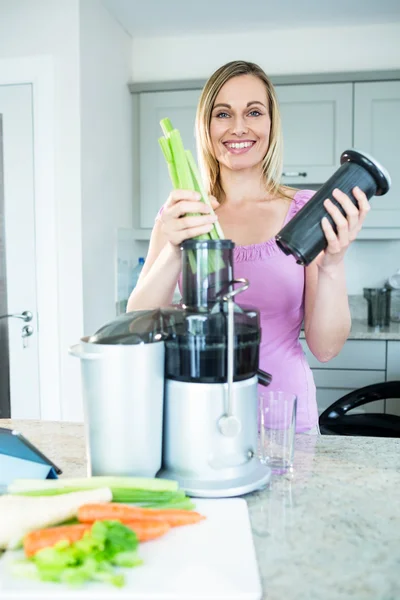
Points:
(240, 151)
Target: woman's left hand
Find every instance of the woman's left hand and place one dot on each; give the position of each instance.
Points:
(347, 228)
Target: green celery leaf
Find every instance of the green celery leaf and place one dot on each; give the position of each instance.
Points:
(115, 536)
(127, 559)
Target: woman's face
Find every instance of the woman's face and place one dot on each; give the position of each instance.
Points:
(240, 123)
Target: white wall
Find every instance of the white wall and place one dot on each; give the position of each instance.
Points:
(278, 52)
(46, 27)
(106, 150)
(93, 157)
(368, 263)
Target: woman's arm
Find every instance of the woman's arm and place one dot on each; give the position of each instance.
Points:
(327, 319)
(159, 276)
(160, 273)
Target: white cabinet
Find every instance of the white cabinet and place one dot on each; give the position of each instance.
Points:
(377, 131)
(358, 364)
(319, 120)
(317, 123)
(155, 185)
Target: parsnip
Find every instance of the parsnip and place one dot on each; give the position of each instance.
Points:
(21, 514)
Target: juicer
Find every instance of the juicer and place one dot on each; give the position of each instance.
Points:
(211, 379)
(173, 392)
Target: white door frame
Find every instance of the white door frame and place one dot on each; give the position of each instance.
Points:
(39, 72)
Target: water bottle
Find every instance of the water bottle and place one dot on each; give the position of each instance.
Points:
(303, 236)
(136, 272)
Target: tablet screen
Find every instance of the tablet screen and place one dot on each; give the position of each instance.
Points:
(13, 443)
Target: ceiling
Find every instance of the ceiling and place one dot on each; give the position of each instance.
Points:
(185, 17)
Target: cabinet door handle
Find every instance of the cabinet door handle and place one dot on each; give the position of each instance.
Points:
(294, 174)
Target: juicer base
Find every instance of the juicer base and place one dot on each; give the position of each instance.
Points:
(225, 488)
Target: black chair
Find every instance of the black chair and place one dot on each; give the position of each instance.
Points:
(335, 420)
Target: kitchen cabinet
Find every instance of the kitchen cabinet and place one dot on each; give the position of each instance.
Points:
(155, 184)
(360, 363)
(377, 131)
(317, 124)
(319, 120)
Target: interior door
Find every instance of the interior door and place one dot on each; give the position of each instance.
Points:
(19, 363)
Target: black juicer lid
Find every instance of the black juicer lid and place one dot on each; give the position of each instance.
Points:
(379, 173)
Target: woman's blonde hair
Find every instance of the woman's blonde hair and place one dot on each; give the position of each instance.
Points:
(209, 166)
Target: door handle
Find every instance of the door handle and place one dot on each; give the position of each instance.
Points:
(25, 316)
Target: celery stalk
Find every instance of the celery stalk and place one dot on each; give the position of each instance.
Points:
(165, 147)
(166, 126)
(184, 174)
(87, 483)
(200, 188)
(180, 160)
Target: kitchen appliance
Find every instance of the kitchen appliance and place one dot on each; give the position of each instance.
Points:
(205, 352)
(303, 236)
(122, 374)
(378, 304)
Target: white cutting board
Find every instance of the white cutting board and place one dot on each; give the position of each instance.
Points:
(213, 559)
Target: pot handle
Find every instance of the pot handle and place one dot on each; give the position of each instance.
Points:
(76, 350)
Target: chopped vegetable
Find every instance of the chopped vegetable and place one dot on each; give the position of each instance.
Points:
(93, 557)
(125, 490)
(148, 530)
(49, 537)
(125, 513)
(19, 515)
(86, 483)
(45, 538)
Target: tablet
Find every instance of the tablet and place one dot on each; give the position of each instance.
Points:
(19, 458)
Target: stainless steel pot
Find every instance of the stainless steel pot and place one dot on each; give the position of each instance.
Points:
(123, 389)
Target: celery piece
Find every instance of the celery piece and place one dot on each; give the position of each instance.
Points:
(166, 126)
(87, 483)
(215, 261)
(132, 496)
(180, 161)
(164, 143)
(197, 179)
(165, 147)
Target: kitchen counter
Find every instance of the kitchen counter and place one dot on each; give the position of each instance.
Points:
(361, 331)
(330, 530)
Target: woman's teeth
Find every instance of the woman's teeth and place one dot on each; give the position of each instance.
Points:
(240, 145)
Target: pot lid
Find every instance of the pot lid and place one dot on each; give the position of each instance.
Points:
(137, 327)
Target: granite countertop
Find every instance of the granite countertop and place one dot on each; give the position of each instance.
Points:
(360, 330)
(328, 531)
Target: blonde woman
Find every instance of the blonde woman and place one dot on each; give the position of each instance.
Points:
(239, 142)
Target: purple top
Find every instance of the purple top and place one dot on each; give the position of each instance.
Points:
(276, 290)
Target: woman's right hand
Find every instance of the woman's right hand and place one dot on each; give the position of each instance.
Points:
(176, 226)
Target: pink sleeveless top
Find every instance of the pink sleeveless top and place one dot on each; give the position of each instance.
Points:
(276, 290)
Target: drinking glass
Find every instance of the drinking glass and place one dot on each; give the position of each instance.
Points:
(277, 428)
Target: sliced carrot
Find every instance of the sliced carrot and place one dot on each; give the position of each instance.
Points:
(88, 513)
(148, 530)
(174, 517)
(45, 538)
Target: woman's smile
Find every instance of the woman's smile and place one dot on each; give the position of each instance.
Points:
(239, 147)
